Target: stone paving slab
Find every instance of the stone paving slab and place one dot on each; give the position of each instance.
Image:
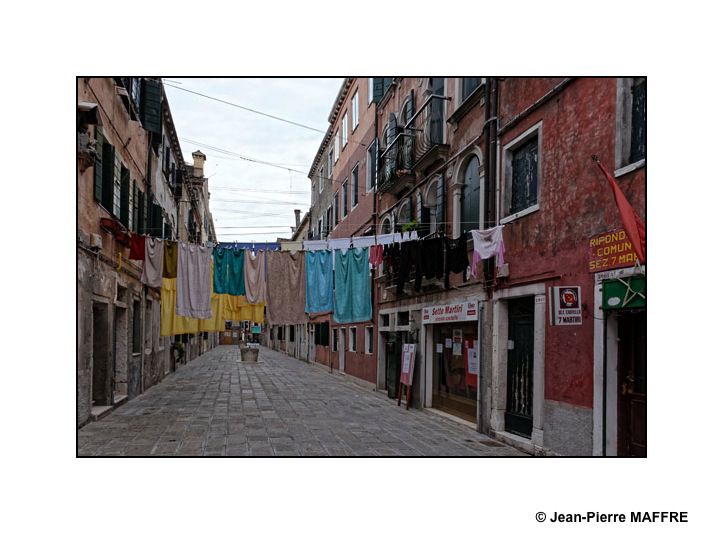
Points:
(218, 406)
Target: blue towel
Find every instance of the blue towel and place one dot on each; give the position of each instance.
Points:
(318, 281)
(353, 302)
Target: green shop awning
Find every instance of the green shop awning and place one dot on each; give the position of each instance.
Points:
(624, 293)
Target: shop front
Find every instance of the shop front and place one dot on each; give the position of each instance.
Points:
(452, 344)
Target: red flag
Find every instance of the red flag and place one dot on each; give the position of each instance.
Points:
(633, 225)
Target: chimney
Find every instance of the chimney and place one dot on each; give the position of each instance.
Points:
(297, 219)
(198, 163)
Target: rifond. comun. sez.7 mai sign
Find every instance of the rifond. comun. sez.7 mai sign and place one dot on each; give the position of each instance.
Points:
(610, 250)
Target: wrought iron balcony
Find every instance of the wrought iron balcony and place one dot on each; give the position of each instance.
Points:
(418, 144)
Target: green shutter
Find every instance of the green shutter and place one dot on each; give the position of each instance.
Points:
(152, 106)
(141, 228)
(125, 197)
(156, 221)
(135, 207)
(98, 178)
(378, 88)
(117, 172)
(108, 172)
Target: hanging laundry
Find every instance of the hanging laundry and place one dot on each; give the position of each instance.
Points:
(385, 239)
(315, 245)
(457, 257)
(235, 262)
(391, 259)
(153, 265)
(486, 244)
(286, 287)
(291, 246)
(363, 241)
(409, 261)
(339, 243)
(319, 281)
(376, 255)
(193, 281)
(353, 302)
(220, 270)
(170, 259)
(255, 288)
(431, 258)
(137, 247)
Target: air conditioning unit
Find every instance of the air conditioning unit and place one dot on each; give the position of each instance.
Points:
(96, 241)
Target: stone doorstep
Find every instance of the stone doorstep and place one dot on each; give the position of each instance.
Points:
(100, 411)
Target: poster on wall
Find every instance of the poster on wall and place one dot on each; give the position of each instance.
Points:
(472, 363)
(567, 305)
(408, 364)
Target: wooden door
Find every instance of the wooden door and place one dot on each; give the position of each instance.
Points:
(632, 384)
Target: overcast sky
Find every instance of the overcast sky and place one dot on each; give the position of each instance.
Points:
(305, 101)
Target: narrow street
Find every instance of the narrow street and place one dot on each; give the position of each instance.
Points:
(218, 406)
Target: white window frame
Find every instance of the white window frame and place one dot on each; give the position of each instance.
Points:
(355, 193)
(352, 339)
(343, 139)
(370, 90)
(507, 151)
(330, 162)
(337, 145)
(369, 336)
(355, 111)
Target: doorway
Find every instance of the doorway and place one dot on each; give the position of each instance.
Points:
(120, 354)
(341, 349)
(454, 384)
(393, 346)
(101, 366)
(632, 384)
(520, 352)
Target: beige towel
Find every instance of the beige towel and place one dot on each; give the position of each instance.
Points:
(153, 263)
(255, 289)
(286, 287)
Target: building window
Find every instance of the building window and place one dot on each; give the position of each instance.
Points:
(344, 198)
(470, 207)
(352, 339)
(344, 130)
(117, 186)
(355, 110)
(335, 340)
(403, 318)
(322, 179)
(330, 163)
(355, 185)
(368, 340)
(336, 208)
(469, 85)
(521, 159)
(630, 124)
(321, 229)
(313, 196)
(166, 161)
(370, 169)
(328, 218)
(337, 145)
(370, 90)
(292, 333)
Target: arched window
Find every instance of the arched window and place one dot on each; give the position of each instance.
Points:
(429, 208)
(386, 226)
(405, 215)
(470, 208)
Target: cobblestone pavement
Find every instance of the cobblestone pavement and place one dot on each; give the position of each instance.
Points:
(217, 406)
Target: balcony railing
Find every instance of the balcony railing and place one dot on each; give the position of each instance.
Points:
(423, 133)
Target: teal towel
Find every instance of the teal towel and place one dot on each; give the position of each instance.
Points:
(318, 281)
(353, 300)
(229, 271)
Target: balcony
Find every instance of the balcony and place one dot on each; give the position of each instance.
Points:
(418, 144)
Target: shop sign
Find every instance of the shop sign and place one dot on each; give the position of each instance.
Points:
(625, 293)
(256, 329)
(567, 305)
(610, 250)
(408, 364)
(457, 312)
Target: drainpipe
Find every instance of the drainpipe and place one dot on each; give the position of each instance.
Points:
(479, 352)
(604, 394)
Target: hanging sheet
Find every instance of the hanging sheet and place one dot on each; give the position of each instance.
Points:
(286, 287)
(153, 264)
(170, 259)
(353, 302)
(194, 281)
(255, 284)
(319, 280)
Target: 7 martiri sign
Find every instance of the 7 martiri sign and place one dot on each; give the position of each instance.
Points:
(466, 310)
(566, 305)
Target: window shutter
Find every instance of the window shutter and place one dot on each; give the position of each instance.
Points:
(125, 197)
(116, 186)
(141, 228)
(135, 207)
(98, 173)
(152, 106)
(440, 203)
(392, 128)
(108, 176)
(373, 163)
(378, 88)
(409, 107)
(156, 221)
